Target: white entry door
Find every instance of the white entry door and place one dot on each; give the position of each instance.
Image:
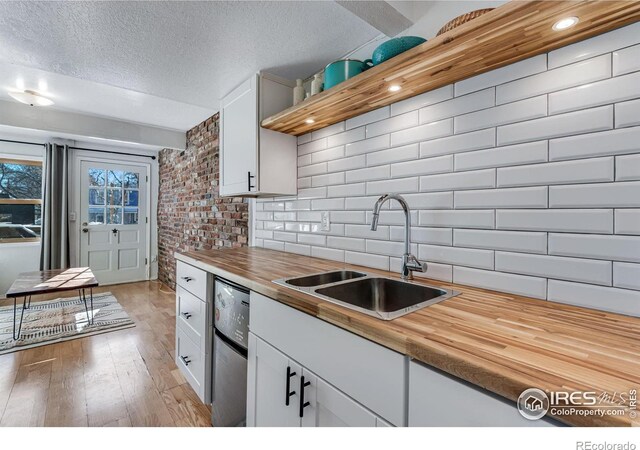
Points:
(113, 221)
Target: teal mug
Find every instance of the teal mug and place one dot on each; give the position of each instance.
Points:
(343, 69)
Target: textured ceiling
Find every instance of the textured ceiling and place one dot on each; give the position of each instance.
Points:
(192, 52)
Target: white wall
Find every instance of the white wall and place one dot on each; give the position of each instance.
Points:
(525, 179)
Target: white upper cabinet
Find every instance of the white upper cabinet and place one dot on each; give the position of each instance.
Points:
(255, 161)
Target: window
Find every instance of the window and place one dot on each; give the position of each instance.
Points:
(20, 200)
(113, 197)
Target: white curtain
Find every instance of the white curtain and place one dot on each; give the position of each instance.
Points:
(54, 253)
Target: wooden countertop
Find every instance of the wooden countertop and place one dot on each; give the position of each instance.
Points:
(501, 342)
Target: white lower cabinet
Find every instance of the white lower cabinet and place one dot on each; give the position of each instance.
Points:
(282, 393)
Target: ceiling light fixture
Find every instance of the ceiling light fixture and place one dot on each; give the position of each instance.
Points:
(565, 23)
(309, 121)
(32, 98)
(394, 88)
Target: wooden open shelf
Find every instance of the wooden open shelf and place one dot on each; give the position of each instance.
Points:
(512, 32)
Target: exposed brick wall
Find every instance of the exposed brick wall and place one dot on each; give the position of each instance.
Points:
(191, 215)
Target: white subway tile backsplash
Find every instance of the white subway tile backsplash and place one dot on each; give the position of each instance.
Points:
(327, 204)
(422, 100)
(369, 174)
(422, 133)
(439, 164)
(626, 60)
(627, 114)
(615, 142)
(626, 275)
(627, 221)
(422, 235)
(407, 120)
(328, 179)
(502, 195)
(620, 301)
(370, 117)
(554, 80)
(478, 179)
(628, 168)
(392, 155)
(399, 185)
(368, 145)
(604, 195)
(346, 243)
(598, 45)
(533, 197)
(459, 105)
(566, 172)
(458, 219)
(513, 155)
(576, 220)
(367, 260)
(353, 162)
(590, 120)
(514, 241)
(457, 256)
(505, 282)
(612, 248)
(604, 92)
(503, 75)
(327, 155)
(459, 143)
(327, 253)
(561, 268)
(347, 137)
(528, 109)
(435, 271)
(327, 131)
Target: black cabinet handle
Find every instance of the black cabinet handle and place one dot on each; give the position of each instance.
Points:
(249, 177)
(186, 315)
(289, 392)
(185, 360)
(303, 404)
(187, 279)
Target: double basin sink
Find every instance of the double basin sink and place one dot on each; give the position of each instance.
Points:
(380, 297)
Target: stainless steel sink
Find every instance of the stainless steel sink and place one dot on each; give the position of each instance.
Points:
(324, 278)
(380, 297)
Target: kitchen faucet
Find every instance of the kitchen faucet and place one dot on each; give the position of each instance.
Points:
(409, 262)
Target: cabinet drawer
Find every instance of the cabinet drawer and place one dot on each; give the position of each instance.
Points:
(191, 362)
(371, 374)
(192, 317)
(192, 279)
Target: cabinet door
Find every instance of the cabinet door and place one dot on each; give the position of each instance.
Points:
(239, 139)
(328, 407)
(268, 373)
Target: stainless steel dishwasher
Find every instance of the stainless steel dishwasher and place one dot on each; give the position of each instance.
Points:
(230, 341)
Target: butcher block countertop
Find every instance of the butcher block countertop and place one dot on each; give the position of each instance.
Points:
(501, 342)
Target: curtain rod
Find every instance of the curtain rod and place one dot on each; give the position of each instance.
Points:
(20, 142)
(110, 151)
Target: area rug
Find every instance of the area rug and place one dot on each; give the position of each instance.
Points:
(60, 320)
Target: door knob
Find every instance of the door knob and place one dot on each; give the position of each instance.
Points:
(85, 230)
(114, 231)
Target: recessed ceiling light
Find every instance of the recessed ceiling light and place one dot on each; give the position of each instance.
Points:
(309, 121)
(565, 23)
(29, 97)
(394, 88)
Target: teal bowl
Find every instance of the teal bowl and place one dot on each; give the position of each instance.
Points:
(393, 47)
(343, 69)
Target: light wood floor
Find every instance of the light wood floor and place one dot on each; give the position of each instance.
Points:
(122, 378)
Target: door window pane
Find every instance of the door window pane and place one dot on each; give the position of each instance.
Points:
(115, 178)
(130, 216)
(114, 197)
(96, 216)
(97, 177)
(130, 198)
(130, 180)
(114, 215)
(96, 196)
